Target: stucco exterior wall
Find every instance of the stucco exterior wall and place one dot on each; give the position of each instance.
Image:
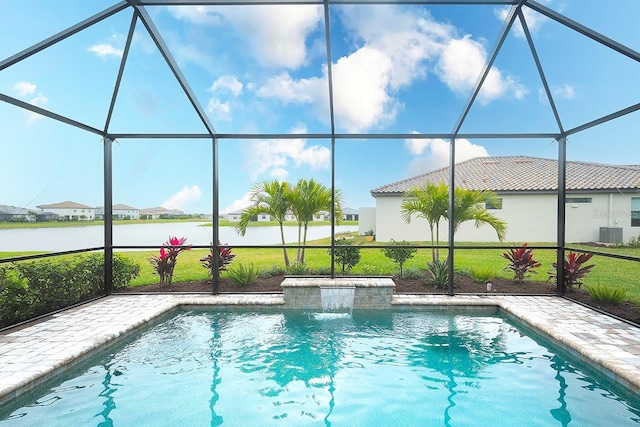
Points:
(529, 218)
(69, 213)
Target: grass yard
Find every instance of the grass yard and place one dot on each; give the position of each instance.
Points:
(608, 271)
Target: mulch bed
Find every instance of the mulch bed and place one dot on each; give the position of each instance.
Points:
(464, 285)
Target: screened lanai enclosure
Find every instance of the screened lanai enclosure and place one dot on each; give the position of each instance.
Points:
(114, 114)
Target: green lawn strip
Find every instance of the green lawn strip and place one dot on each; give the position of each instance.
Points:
(612, 272)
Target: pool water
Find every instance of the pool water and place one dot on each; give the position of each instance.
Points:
(400, 368)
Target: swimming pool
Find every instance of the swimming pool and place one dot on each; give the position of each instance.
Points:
(296, 368)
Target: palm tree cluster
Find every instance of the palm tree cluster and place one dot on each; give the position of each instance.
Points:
(302, 200)
(431, 202)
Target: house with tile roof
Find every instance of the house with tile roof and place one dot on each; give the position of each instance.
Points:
(160, 212)
(119, 211)
(602, 201)
(70, 211)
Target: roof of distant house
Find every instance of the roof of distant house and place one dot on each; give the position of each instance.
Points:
(13, 210)
(522, 173)
(160, 210)
(65, 205)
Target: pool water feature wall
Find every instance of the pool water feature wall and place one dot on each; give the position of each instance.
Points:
(337, 298)
(368, 293)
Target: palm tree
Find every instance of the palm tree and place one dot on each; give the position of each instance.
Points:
(306, 199)
(431, 202)
(470, 205)
(272, 198)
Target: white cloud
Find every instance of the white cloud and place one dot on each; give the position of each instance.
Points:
(284, 88)
(227, 84)
(105, 50)
(460, 65)
(24, 88)
(224, 85)
(397, 48)
(183, 197)
(219, 110)
(39, 101)
(239, 204)
(275, 157)
(565, 91)
(276, 34)
(361, 84)
(112, 47)
(533, 19)
(434, 153)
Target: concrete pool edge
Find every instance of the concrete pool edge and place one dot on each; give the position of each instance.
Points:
(33, 354)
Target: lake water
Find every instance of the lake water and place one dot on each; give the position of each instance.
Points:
(70, 238)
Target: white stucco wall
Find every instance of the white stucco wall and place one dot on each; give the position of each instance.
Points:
(366, 220)
(123, 213)
(69, 213)
(529, 217)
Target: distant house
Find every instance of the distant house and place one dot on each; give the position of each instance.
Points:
(160, 212)
(15, 214)
(350, 214)
(602, 201)
(119, 211)
(235, 216)
(70, 211)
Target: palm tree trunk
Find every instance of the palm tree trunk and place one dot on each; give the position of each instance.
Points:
(433, 250)
(286, 257)
(304, 241)
(299, 253)
(437, 241)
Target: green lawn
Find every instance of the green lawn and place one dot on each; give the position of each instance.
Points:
(609, 271)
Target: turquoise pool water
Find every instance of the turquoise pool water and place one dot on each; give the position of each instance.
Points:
(242, 368)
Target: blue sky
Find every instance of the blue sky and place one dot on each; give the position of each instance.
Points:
(263, 69)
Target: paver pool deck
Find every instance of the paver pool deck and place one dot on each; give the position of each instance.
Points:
(34, 353)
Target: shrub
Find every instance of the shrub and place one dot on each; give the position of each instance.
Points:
(243, 275)
(606, 294)
(30, 289)
(413, 273)
(165, 262)
(521, 262)
(297, 269)
(322, 271)
(399, 254)
(370, 270)
(439, 272)
(15, 299)
(345, 254)
(483, 275)
(574, 271)
(272, 271)
(224, 258)
(124, 270)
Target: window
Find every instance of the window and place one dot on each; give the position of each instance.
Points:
(577, 200)
(497, 205)
(635, 211)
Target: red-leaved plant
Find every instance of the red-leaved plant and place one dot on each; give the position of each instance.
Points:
(574, 271)
(164, 263)
(224, 258)
(521, 262)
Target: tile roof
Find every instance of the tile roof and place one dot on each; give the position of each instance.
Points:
(65, 205)
(523, 173)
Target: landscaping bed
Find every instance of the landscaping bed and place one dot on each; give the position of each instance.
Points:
(464, 285)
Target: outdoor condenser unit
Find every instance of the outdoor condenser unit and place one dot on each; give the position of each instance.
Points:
(610, 234)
